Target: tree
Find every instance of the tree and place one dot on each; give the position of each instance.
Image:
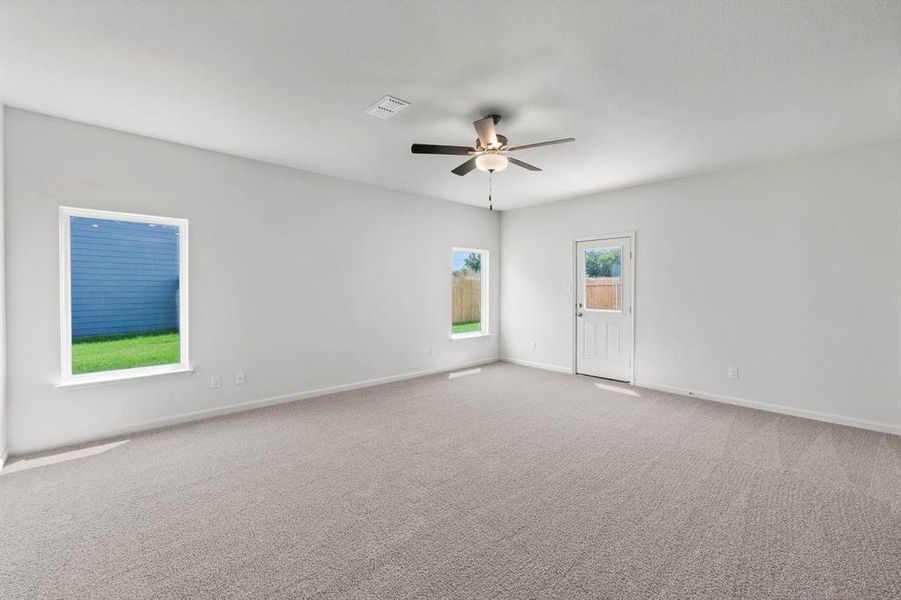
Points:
(603, 263)
(473, 262)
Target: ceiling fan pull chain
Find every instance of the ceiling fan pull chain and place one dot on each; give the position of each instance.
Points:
(490, 206)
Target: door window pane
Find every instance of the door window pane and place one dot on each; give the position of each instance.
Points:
(603, 278)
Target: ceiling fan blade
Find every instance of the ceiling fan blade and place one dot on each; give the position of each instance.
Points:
(466, 167)
(550, 143)
(438, 149)
(486, 131)
(522, 164)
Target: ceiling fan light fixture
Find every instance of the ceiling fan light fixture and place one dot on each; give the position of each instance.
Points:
(491, 162)
(487, 152)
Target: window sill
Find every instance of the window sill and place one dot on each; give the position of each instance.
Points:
(103, 378)
(466, 336)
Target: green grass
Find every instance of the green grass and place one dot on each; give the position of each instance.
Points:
(90, 355)
(474, 327)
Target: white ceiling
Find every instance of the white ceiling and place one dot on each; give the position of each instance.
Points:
(649, 90)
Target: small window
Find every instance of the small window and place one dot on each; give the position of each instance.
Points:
(603, 278)
(124, 295)
(469, 292)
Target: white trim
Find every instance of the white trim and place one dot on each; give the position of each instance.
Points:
(65, 316)
(536, 365)
(775, 408)
(142, 426)
(605, 236)
(105, 377)
(5, 455)
(67, 378)
(575, 294)
(465, 336)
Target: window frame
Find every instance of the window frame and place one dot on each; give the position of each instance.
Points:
(67, 378)
(484, 308)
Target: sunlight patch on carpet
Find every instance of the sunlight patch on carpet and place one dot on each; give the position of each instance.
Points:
(52, 459)
(456, 374)
(618, 390)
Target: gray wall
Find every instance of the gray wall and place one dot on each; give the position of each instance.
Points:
(303, 281)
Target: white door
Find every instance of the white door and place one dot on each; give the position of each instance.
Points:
(604, 308)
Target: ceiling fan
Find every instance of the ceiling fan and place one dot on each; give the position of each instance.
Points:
(489, 152)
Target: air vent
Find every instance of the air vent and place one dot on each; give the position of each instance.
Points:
(387, 107)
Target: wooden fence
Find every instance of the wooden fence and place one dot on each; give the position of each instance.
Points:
(603, 293)
(466, 299)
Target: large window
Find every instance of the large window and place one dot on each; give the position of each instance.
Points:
(124, 296)
(469, 292)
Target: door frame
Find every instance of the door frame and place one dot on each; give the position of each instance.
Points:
(574, 305)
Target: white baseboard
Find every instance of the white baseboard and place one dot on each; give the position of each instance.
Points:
(536, 365)
(235, 408)
(775, 408)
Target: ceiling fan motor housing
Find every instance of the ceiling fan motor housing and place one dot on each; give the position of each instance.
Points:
(501, 142)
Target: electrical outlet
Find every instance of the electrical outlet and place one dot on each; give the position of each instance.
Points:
(239, 377)
(533, 345)
(732, 373)
(215, 382)
(432, 350)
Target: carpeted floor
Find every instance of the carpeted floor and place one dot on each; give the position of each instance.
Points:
(507, 483)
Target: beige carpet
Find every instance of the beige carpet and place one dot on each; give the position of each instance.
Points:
(508, 483)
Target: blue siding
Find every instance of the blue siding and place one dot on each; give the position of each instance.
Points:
(124, 277)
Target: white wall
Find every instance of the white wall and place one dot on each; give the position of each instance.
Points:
(308, 282)
(303, 281)
(3, 436)
(790, 271)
